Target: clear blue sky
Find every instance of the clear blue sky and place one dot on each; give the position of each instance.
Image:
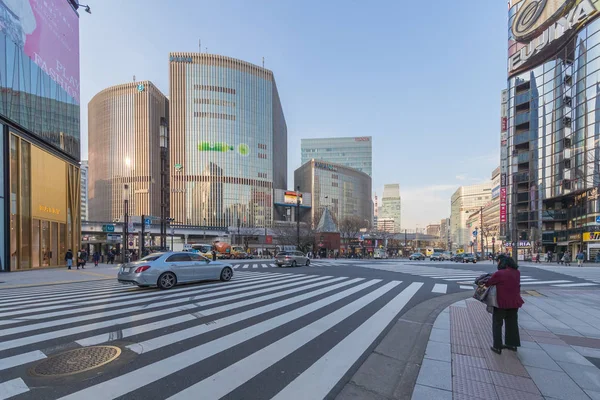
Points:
(422, 78)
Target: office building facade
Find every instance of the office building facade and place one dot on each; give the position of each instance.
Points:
(40, 142)
(124, 123)
(344, 191)
(551, 131)
(391, 205)
(228, 141)
(466, 201)
(353, 152)
(445, 233)
(84, 169)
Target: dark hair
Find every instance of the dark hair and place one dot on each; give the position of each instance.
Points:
(506, 262)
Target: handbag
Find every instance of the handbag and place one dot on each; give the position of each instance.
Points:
(488, 296)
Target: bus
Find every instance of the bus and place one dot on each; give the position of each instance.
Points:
(430, 250)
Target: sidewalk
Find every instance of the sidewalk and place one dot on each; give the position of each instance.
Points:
(559, 357)
(52, 276)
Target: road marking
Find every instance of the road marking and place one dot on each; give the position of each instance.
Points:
(466, 287)
(245, 266)
(254, 266)
(12, 388)
(439, 288)
(228, 379)
(133, 380)
(102, 314)
(265, 266)
(272, 265)
(575, 284)
(543, 282)
(318, 380)
(20, 359)
(189, 317)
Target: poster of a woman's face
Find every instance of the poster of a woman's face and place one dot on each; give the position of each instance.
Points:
(17, 20)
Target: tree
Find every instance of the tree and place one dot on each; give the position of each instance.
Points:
(287, 235)
(351, 226)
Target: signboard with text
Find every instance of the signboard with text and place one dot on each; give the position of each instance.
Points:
(503, 205)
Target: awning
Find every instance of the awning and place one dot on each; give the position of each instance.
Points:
(562, 243)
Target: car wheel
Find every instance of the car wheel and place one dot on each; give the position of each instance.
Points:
(166, 281)
(226, 274)
(294, 263)
(307, 262)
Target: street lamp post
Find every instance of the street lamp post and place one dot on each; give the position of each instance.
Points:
(204, 237)
(493, 246)
(164, 181)
(170, 221)
(298, 215)
(125, 222)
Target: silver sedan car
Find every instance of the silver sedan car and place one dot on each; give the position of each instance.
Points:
(291, 258)
(166, 270)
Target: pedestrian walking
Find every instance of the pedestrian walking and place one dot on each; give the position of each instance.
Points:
(508, 291)
(214, 255)
(567, 258)
(580, 258)
(69, 259)
(96, 258)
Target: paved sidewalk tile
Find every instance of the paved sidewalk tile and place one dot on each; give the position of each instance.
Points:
(564, 354)
(470, 361)
(472, 373)
(587, 377)
(514, 382)
(556, 384)
(593, 395)
(505, 393)
(537, 358)
(440, 335)
(529, 345)
(587, 351)
(428, 393)
(468, 350)
(472, 388)
(437, 374)
(439, 351)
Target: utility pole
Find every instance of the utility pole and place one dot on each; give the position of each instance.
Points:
(125, 223)
(164, 182)
(298, 214)
(482, 233)
(143, 240)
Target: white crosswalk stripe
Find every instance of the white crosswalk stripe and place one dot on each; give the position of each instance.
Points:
(589, 273)
(253, 306)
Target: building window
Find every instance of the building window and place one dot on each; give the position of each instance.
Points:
(204, 114)
(14, 193)
(211, 88)
(25, 185)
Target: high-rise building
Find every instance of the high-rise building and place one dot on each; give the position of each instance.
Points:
(445, 233)
(40, 146)
(124, 149)
(344, 191)
(391, 205)
(550, 175)
(433, 229)
(84, 190)
(353, 152)
(386, 225)
(465, 201)
(228, 141)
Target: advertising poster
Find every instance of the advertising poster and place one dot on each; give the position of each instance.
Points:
(48, 32)
(502, 205)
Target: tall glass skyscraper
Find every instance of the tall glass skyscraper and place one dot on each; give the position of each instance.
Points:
(353, 152)
(228, 141)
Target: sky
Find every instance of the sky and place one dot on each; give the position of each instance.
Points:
(422, 78)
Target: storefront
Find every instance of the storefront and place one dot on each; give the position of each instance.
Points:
(591, 244)
(524, 250)
(43, 206)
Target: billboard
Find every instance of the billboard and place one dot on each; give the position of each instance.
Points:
(503, 205)
(290, 197)
(48, 33)
(539, 27)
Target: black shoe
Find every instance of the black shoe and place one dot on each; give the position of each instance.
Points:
(511, 348)
(495, 350)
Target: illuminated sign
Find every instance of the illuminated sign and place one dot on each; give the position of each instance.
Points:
(292, 197)
(362, 139)
(181, 59)
(49, 210)
(540, 23)
(325, 166)
(503, 205)
(140, 87)
(591, 236)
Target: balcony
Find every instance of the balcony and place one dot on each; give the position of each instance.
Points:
(522, 118)
(522, 157)
(523, 137)
(521, 176)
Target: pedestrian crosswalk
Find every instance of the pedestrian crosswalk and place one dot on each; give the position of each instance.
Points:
(465, 277)
(590, 273)
(260, 265)
(201, 341)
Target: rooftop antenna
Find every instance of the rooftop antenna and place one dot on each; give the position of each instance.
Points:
(200, 45)
(134, 79)
(263, 62)
(206, 49)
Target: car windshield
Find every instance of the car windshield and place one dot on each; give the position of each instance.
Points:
(436, 254)
(152, 257)
(283, 253)
(469, 255)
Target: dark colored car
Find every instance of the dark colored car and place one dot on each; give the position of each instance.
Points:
(436, 257)
(458, 257)
(469, 257)
(417, 256)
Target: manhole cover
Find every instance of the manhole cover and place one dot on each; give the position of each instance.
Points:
(76, 361)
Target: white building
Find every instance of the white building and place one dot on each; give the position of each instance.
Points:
(84, 190)
(391, 205)
(465, 200)
(386, 225)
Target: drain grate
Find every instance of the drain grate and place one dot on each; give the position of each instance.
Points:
(76, 361)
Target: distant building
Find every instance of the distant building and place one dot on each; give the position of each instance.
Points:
(465, 201)
(124, 149)
(84, 190)
(344, 191)
(353, 152)
(375, 212)
(433, 230)
(391, 205)
(445, 232)
(386, 225)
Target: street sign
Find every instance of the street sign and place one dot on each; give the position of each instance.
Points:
(131, 243)
(108, 228)
(598, 220)
(474, 233)
(147, 222)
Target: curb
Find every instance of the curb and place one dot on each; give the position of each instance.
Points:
(390, 371)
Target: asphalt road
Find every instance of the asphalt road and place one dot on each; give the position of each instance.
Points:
(282, 333)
